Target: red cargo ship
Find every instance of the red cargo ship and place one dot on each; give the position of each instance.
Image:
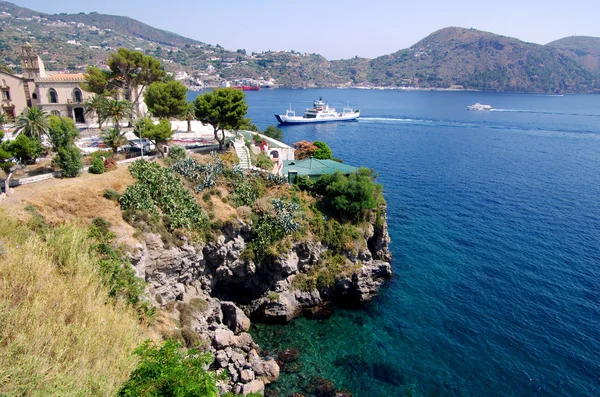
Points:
(246, 87)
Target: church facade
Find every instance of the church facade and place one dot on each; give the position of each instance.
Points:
(58, 94)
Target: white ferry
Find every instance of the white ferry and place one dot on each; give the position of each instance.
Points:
(319, 113)
(478, 106)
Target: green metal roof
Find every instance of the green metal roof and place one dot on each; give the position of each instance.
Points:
(315, 167)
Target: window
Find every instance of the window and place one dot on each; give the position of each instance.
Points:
(55, 113)
(52, 96)
(77, 97)
(6, 95)
(34, 95)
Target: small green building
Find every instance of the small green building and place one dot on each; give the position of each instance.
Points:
(314, 168)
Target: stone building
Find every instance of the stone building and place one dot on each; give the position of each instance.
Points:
(59, 94)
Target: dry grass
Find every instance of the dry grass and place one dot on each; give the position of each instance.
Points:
(77, 200)
(59, 332)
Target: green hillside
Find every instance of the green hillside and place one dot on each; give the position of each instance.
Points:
(583, 49)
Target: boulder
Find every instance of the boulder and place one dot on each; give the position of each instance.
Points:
(234, 318)
(221, 359)
(270, 371)
(223, 338)
(255, 386)
(246, 375)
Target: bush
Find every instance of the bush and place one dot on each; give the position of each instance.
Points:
(349, 197)
(169, 371)
(62, 132)
(97, 166)
(264, 161)
(25, 149)
(273, 132)
(110, 164)
(111, 194)
(177, 153)
(69, 161)
(324, 152)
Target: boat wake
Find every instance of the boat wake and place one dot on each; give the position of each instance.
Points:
(389, 119)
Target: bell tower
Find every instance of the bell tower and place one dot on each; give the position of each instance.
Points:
(31, 64)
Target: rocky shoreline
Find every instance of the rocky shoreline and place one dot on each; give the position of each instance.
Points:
(213, 292)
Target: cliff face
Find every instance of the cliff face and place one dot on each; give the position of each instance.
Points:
(233, 289)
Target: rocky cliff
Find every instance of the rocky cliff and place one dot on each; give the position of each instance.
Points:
(214, 291)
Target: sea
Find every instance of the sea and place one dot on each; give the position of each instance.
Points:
(495, 224)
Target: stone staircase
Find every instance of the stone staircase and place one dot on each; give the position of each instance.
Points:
(243, 154)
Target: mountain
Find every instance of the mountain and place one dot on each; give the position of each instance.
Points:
(583, 49)
(453, 56)
(120, 25)
(483, 61)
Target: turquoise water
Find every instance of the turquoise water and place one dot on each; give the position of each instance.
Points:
(495, 225)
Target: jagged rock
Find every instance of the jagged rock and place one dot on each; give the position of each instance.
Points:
(223, 338)
(234, 318)
(255, 386)
(221, 358)
(270, 371)
(233, 373)
(321, 387)
(245, 341)
(238, 360)
(246, 375)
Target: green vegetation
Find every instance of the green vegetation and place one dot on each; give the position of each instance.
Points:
(113, 139)
(166, 100)
(262, 160)
(159, 191)
(62, 132)
(33, 122)
(224, 108)
(25, 150)
(97, 166)
(323, 152)
(169, 371)
(159, 134)
(69, 160)
(273, 132)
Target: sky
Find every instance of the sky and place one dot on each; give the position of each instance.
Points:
(343, 29)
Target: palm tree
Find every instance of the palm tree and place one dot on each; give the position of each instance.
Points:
(118, 110)
(33, 122)
(3, 120)
(96, 106)
(113, 139)
(189, 115)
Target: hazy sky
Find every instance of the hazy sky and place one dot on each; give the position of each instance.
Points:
(343, 29)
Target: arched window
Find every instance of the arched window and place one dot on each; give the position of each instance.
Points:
(77, 96)
(55, 113)
(52, 96)
(275, 154)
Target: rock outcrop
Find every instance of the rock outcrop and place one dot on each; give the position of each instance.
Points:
(216, 291)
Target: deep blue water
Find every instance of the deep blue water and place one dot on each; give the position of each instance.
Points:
(495, 226)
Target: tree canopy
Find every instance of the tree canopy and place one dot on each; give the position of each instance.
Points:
(273, 132)
(323, 152)
(166, 100)
(62, 132)
(224, 108)
(159, 134)
(132, 71)
(32, 122)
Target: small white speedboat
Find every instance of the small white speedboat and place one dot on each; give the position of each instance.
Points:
(478, 106)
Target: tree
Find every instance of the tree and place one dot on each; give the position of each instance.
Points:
(113, 139)
(96, 106)
(159, 134)
(62, 132)
(22, 150)
(273, 132)
(132, 71)
(304, 150)
(33, 122)
(224, 108)
(323, 152)
(166, 100)
(69, 161)
(98, 82)
(190, 115)
(118, 110)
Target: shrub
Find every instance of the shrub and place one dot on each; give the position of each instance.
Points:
(69, 161)
(177, 153)
(158, 188)
(349, 197)
(97, 166)
(110, 164)
(169, 371)
(273, 132)
(264, 161)
(62, 132)
(25, 149)
(324, 152)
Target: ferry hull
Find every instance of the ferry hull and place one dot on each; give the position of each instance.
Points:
(282, 119)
